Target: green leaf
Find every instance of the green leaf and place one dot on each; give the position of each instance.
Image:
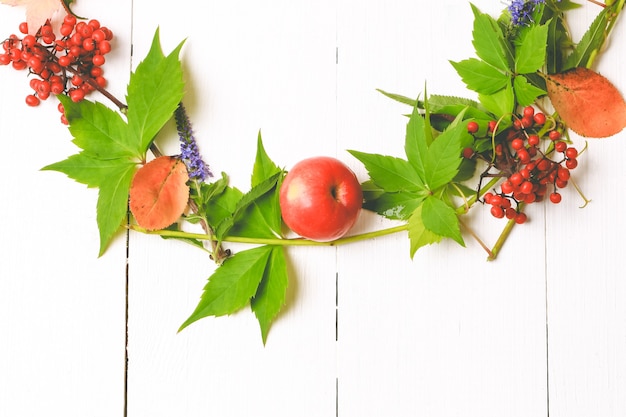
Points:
(530, 53)
(98, 130)
(154, 91)
(264, 167)
(500, 103)
(481, 77)
(88, 170)
(272, 291)
(221, 206)
(394, 206)
(112, 203)
(444, 157)
(557, 44)
(591, 42)
(232, 285)
(488, 40)
(390, 173)
(441, 219)
(399, 98)
(246, 200)
(525, 92)
(416, 143)
(419, 235)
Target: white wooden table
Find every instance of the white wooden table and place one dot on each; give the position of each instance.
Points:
(367, 331)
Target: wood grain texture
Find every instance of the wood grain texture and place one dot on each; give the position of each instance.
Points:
(367, 331)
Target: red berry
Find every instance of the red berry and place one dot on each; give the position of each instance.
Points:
(571, 153)
(468, 153)
(497, 212)
(554, 135)
(533, 140)
(539, 119)
(77, 95)
(472, 127)
(520, 218)
(517, 144)
(516, 178)
(23, 27)
(529, 111)
(98, 60)
(491, 127)
(571, 163)
(560, 146)
(555, 197)
(32, 100)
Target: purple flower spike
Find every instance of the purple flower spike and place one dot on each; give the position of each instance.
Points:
(189, 153)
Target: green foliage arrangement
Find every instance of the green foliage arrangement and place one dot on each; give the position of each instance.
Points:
(507, 148)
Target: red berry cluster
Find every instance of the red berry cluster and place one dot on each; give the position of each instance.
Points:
(531, 172)
(70, 63)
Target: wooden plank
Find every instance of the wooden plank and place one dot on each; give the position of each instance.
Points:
(62, 309)
(248, 66)
(587, 285)
(446, 333)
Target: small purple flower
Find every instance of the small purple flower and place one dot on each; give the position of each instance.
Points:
(189, 153)
(522, 10)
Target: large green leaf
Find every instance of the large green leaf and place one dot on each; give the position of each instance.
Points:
(591, 42)
(390, 173)
(419, 235)
(112, 203)
(415, 143)
(232, 285)
(444, 157)
(488, 41)
(530, 53)
(98, 130)
(272, 291)
(154, 91)
(441, 219)
(480, 76)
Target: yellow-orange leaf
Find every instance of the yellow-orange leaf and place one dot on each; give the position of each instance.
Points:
(159, 192)
(37, 11)
(587, 102)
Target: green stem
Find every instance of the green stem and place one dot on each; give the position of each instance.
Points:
(501, 239)
(272, 241)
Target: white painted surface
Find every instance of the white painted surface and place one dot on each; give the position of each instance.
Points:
(542, 329)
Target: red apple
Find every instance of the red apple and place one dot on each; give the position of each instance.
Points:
(320, 198)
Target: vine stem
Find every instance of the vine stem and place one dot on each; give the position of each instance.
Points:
(272, 241)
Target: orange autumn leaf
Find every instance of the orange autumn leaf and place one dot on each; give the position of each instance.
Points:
(159, 192)
(37, 11)
(587, 102)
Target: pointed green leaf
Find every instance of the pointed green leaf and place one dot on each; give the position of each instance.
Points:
(591, 42)
(390, 173)
(267, 186)
(394, 206)
(272, 291)
(530, 53)
(415, 144)
(500, 103)
(444, 157)
(264, 167)
(419, 235)
(488, 40)
(112, 203)
(525, 92)
(232, 285)
(441, 219)
(98, 130)
(154, 91)
(480, 76)
(88, 170)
